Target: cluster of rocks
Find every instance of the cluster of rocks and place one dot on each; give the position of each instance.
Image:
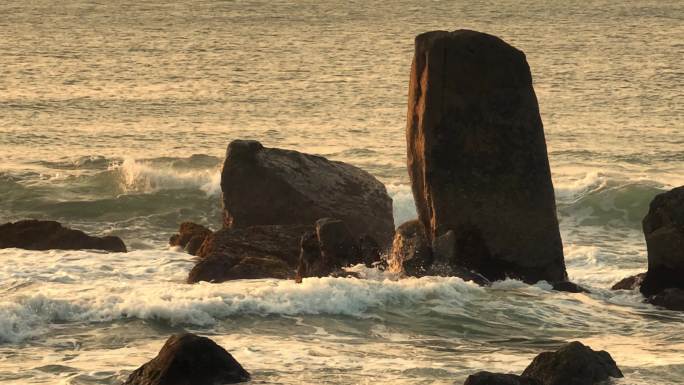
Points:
(572, 364)
(289, 215)
(190, 359)
(481, 181)
(663, 283)
(479, 171)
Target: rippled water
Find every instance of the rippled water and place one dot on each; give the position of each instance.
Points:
(114, 118)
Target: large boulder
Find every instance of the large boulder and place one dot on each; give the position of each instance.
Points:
(573, 364)
(187, 359)
(247, 253)
(477, 156)
(190, 237)
(271, 186)
(46, 235)
(488, 378)
(664, 231)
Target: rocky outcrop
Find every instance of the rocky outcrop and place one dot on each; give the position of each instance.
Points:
(629, 283)
(664, 231)
(331, 247)
(663, 226)
(46, 235)
(271, 186)
(248, 253)
(671, 299)
(488, 378)
(190, 237)
(412, 254)
(573, 364)
(189, 359)
(477, 157)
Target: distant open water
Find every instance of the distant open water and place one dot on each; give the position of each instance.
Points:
(114, 118)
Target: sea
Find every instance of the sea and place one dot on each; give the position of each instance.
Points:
(115, 117)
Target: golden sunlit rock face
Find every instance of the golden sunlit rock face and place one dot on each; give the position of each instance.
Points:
(477, 157)
(477, 246)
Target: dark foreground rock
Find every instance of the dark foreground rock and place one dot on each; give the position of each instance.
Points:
(573, 364)
(331, 247)
(46, 235)
(249, 253)
(488, 378)
(664, 232)
(190, 237)
(671, 299)
(477, 157)
(270, 186)
(187, 359)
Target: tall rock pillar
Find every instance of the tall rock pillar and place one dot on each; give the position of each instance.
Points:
(477, 157)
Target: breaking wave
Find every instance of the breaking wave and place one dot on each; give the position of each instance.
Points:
(44, 288)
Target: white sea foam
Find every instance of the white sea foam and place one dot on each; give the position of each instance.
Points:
(404, 207)
(42, 288)
(142, 176)
(149, 285)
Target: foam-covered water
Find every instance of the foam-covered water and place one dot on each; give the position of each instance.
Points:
(114, 119)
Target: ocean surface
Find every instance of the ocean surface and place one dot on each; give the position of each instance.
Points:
(115, 116)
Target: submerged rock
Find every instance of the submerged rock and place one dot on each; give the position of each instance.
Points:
(664, 231)
(629, 283)
(488, 378)
(573, 364)
(46, 235)
(271, 186)
(477, 157)
(247, 253)
(568, 287)
(190, 237)
(671, 299)
(187, 359)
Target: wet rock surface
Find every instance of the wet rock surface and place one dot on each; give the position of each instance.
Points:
(46, 235)
(190, 237)
(331, 247)
(411, 251)
(477, 157)
(247, 253)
